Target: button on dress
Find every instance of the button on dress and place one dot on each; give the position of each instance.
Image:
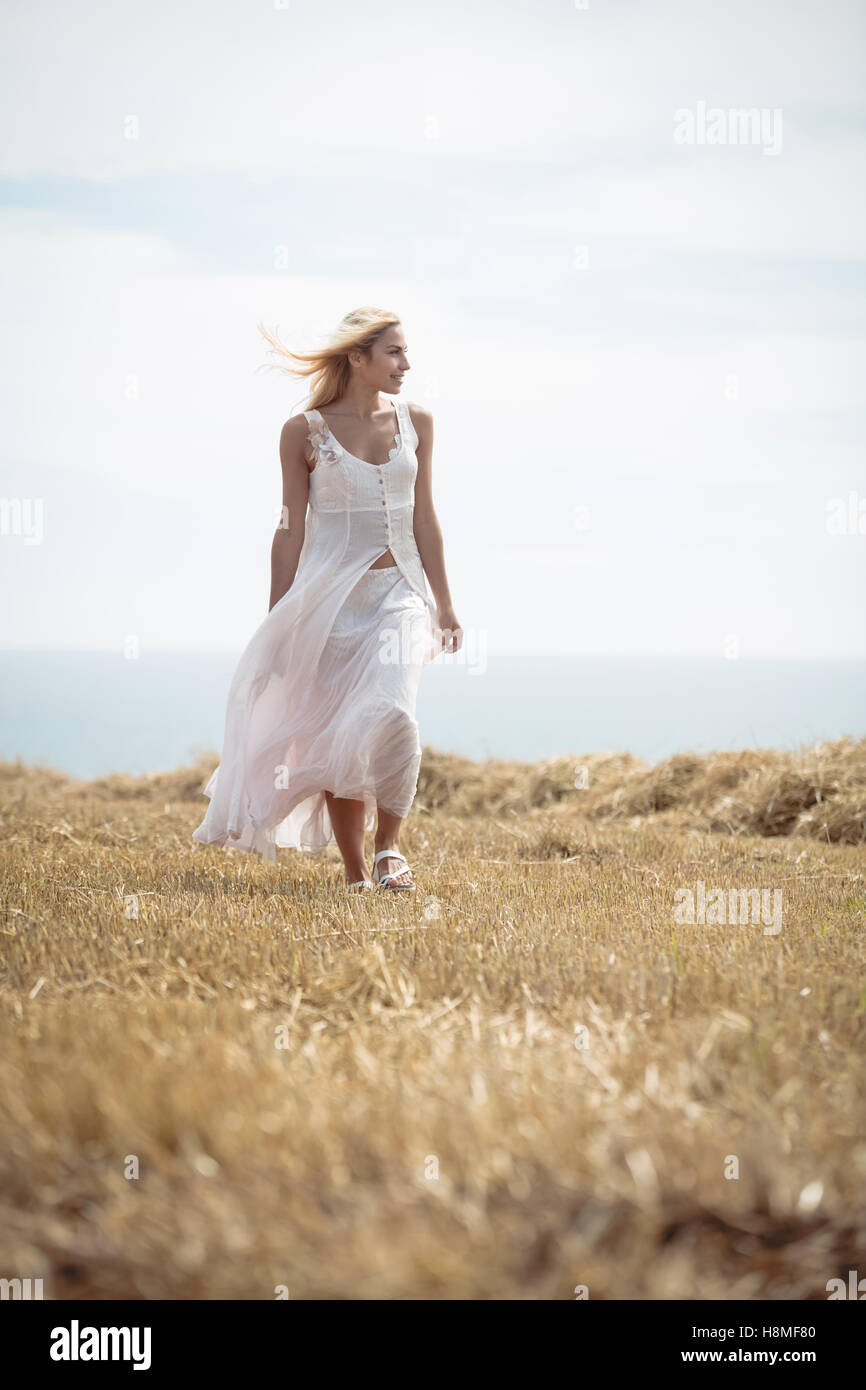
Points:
(324, 695)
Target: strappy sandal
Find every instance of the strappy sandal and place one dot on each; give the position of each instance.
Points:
(360, 885)
(384, 880)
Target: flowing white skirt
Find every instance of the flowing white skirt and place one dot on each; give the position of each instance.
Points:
(350, 728)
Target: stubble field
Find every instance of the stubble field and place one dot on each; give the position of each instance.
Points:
(531, 1079)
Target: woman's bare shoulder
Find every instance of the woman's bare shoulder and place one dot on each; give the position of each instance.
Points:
(295, 429)
(419, 415)
(294, 438)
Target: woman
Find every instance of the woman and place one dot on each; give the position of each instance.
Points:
(320, 733)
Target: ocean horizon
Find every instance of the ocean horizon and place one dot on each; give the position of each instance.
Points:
(89, 714)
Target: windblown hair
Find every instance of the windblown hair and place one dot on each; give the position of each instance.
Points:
(328, 366)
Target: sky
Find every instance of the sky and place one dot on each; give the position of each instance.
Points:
(638, 322)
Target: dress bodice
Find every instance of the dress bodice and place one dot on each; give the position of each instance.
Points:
(341, 482)
(359, 510)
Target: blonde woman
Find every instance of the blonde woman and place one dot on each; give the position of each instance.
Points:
(321, 739)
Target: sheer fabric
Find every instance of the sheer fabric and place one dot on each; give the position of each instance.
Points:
(323, 696)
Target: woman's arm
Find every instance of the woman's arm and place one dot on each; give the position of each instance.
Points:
(428, 533)
(289, 535)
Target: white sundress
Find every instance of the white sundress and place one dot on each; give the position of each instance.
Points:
(323, 696)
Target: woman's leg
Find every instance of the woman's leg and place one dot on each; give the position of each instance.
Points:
(388, 837)
(347, 818)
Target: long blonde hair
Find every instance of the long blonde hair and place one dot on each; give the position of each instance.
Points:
(328, 366)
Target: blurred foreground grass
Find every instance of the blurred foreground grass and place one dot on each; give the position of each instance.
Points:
(526, 1077)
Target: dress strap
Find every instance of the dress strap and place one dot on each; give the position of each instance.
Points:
(317, 436)
(408, 435)
(310, 417)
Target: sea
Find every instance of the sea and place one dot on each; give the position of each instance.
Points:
(92, 713)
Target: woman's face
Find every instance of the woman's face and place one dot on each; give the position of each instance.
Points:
(387, 363)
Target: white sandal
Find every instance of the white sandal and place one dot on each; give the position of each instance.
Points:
(384, 879)
(359, 886)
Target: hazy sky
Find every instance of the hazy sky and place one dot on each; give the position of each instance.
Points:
(645, 358)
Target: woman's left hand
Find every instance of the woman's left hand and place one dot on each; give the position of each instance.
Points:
(452, 632)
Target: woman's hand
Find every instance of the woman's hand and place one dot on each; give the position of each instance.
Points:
(452, 632)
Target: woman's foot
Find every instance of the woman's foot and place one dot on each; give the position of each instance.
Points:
(356, 871)
(393, 864)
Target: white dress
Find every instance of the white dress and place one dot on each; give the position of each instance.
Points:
(323, 697)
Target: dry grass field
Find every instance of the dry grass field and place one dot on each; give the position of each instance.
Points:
(221, 1077)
